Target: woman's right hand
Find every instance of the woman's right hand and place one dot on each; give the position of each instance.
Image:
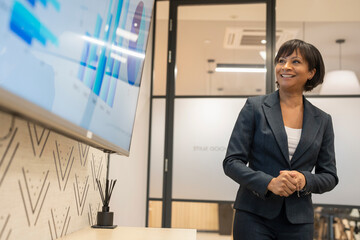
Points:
(283, 185)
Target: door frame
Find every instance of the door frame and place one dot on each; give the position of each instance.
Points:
(170, 86)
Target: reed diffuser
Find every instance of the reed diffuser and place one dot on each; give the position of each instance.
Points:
(105, 217)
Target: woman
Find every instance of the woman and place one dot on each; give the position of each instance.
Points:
(277, 141)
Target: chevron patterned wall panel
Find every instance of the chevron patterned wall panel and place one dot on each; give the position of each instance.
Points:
(47, 181)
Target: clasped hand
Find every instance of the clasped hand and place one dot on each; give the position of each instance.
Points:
(287, 183)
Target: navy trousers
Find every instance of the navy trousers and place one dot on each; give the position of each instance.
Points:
(248, 226)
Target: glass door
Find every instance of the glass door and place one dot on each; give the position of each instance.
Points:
(216, 57)
(220, 60)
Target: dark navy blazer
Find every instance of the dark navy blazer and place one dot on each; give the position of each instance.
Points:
(258, 151)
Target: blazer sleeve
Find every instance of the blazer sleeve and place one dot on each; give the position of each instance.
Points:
(325, 177)
(239, 150)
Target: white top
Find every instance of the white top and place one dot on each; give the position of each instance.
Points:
(293, 136)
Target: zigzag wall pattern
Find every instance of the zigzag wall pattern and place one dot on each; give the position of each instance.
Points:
(36, 166)
(63, 166)
(81, 192)
(8, 154)
(5, 232)
(83, 151)
(7, 130)
(92, 213)
(96, 169)
(33, 200)
(38, 137)
(58, 228)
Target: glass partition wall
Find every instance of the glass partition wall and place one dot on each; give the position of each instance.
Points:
(218, 54)
(220, 50)
(209, 57)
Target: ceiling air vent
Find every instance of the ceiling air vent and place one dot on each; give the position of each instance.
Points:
(250, 38)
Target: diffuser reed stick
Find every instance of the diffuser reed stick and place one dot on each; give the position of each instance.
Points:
(105, 196)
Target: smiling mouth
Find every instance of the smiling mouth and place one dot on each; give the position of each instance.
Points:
(286, 75)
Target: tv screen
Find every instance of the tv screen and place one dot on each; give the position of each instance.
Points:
(75, 65)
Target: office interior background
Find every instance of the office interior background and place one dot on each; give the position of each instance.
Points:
(186, 111)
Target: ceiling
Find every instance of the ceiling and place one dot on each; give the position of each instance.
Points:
(306, 10)
(203, 32)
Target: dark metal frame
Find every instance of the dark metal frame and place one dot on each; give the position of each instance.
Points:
(150, 116)
(170, 86)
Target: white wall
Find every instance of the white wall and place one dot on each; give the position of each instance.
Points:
(128, 201)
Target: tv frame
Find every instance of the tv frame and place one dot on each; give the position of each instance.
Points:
(20, 107)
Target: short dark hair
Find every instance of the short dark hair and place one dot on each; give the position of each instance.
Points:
(312, 56)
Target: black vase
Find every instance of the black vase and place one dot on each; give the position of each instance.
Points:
(105, 218)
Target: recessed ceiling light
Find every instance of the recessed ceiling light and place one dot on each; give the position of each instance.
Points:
(263, 41)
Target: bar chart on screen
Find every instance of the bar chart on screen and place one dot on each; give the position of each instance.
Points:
(80, 60)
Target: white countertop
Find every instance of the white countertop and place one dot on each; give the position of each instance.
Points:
(132, 233)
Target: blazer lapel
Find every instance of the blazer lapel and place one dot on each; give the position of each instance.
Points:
(311, 126)
(273, 115)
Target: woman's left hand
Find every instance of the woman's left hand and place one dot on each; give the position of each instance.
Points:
(299, 177)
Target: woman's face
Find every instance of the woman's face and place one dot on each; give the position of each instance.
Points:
(292, 72)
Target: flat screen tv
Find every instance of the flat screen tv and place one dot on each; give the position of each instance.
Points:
(75, 65)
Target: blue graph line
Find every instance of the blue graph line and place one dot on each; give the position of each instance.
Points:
(98, 69)
(84, 58)
(32, 2)
(104, 91)
(27, 26)
(116, 68)
(105, 85)
(44, 2)
(111, 95)
(91, 63)
(102, 60)
(55, 3)
(20, 32)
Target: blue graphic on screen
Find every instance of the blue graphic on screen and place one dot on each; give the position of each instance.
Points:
(28, 27)
(120, 42)
(55, 3)
(98, 71)
(138, 26)
(105, 89)
(80, 60)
